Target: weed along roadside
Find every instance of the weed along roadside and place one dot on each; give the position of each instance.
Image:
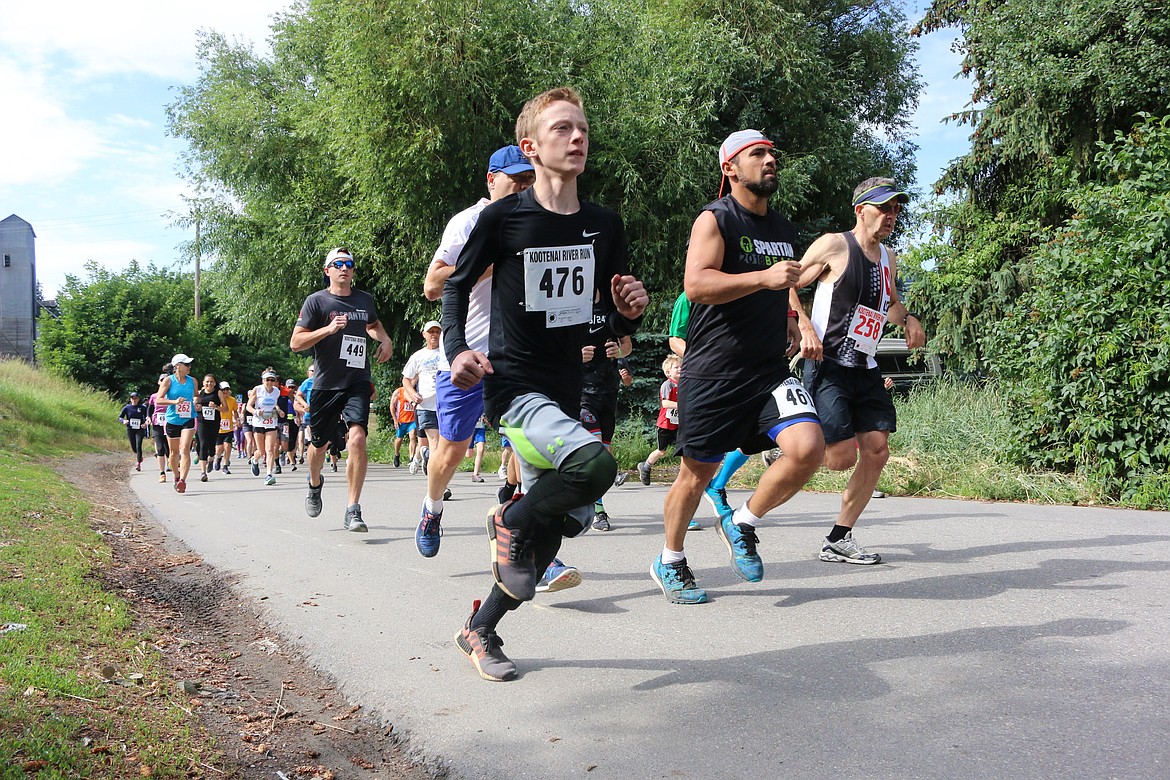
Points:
(125, 656)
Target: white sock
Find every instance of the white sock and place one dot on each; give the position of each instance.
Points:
(433, 505)
(670, 556)
(744, 516)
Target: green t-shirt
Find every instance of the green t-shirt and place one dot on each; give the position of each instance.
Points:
(680, 317)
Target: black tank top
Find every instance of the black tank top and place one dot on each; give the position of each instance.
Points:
(861, 283)
(746, 337)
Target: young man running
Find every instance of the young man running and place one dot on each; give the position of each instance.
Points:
(735, 391)
(855, 297)
(418, 382)
(552, 254)
(508, 173)
(334, 323)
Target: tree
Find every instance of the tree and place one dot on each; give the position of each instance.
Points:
(116, 331)
(371, 123)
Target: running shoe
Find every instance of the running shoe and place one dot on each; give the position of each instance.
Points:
(847, 551)
(218, 464)
(270, 480)
(505, 493)
(227, 469)
(502, 471)
(482, 648)
(513, 566)
(138, 467)
(558, 576)
(447, 494)
(397, 462)
(601, 521)
(278, 471)
(644, 472)
(255, 468)
(162, 476)
(293, 463)
(878, 494)
(677, 582)
(770, 456)
(334, 465)
(313, 501)
(694, 525)
(621, 478)
(181, 485)
(203, 477)
(413, 466)
(353, 519)
(476, 478)
(741, 541)
(717, 498)
(428, 534)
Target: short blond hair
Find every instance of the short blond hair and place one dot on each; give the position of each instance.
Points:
(529, 115)
(671, 361)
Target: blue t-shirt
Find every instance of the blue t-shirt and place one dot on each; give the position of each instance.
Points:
(177, 391)
(306, 389)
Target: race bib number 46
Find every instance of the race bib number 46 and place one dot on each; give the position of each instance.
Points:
(353, 351)
(866, 329)
(558, 281)
(792, 400)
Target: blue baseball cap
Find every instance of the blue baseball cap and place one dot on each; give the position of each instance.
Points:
(509, 160)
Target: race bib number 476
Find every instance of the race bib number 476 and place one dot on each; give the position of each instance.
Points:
(558, 281)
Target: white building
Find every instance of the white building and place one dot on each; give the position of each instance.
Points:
(18, 288)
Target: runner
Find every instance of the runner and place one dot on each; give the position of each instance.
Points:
(289, 430)
(264, 406)
(402, 412)
(599, 394)
(552, 254)
(508, 172)
(735, 390)
(667, 422)
(335, 323)
(418, 383)
(158, 426)
(177, 394)
(207, 416)
(476, 447)
(227, 428)
(134, 417)
(856, 296)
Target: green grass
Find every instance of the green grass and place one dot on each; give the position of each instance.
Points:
(56, 710)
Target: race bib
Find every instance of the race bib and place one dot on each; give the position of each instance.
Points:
(866, 329)
(135, 424)
(209, 413)
(284, 430)
(558, 281)
(672, 416)
(793, 400)
(353, 351)
(183, 408)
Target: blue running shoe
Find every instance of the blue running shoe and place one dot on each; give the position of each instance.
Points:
(741, 543)
(426, 536)
(558, 576)
(677, 582)
(717, 498)
(694, 525)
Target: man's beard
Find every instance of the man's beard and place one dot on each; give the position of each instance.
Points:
(765, 186)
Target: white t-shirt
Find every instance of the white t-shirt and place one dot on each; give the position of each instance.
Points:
(422, 368)
(480, 302)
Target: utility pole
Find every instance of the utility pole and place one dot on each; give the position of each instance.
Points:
(198, 252)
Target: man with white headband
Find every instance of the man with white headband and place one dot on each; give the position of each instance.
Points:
(334, 323)
(735, 390)
(856, 296)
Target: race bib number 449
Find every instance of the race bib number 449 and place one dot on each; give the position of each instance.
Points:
(353, 351)
(558, 281)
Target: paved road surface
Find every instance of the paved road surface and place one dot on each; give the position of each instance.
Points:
(996, 641)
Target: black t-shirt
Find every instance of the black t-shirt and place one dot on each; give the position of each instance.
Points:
(531, 351)
(342, 358)
(601, 380)
(134, 412)
(206, 400)
(748, 336)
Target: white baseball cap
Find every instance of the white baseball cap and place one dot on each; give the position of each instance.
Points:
(431, 324)
(182, 358)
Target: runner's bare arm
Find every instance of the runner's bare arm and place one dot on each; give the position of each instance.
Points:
(704, 280)
(437, 275)
(303, 338)
(385, 346)
(900, 315)
(810, 343)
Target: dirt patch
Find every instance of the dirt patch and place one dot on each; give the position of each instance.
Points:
(271, 714)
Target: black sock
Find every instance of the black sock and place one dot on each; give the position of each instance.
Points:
(839, 532)
(493, 609)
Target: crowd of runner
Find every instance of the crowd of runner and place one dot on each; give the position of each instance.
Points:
(538, 309)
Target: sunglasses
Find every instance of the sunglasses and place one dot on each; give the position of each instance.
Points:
(889, 207)
(341, 264)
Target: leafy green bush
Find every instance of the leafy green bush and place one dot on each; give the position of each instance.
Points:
(1087, 347)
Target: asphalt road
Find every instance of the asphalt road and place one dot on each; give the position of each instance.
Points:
(995, 641)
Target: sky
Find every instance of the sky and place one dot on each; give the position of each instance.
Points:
(84, 154)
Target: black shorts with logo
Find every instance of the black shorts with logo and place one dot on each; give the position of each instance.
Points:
(849, 400)
(345, 408)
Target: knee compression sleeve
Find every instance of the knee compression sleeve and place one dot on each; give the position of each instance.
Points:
(581, 479)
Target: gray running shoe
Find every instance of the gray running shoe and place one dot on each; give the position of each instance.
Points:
(601, 521)
(270, 480)
(847, 551)
(513, 563)
(644, 472)
(353, 519)
(878, 494)
(770, 456)
(483, 649)
(313, 500)
(621, 478)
